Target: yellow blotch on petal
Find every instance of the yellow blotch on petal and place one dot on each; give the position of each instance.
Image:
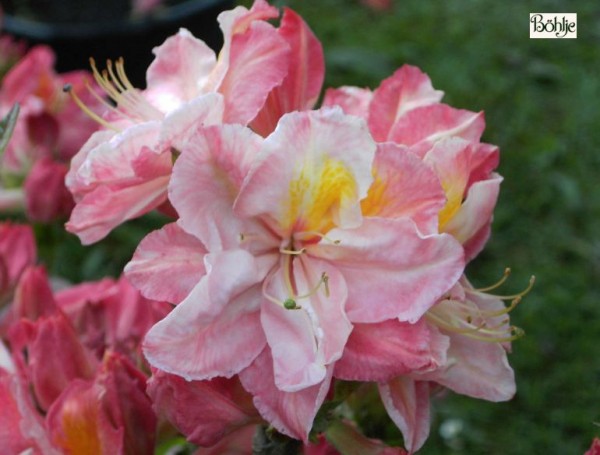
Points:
(80, 429)
(454, 198)
(317, 195)
(377, 198)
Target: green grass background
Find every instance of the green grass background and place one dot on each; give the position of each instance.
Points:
(541, 103)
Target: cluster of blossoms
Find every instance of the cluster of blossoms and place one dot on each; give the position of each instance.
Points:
(49, 132)
(310, 248)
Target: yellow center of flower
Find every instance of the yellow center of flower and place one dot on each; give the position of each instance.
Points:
(377, 200)
(316, 197)
(454, 198)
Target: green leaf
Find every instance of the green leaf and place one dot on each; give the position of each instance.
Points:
(7, 125)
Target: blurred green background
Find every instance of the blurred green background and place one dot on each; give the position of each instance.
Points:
(541, 100)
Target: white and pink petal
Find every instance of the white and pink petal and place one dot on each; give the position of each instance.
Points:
(407, 89)
(167, 264)
(407, 403)
(304, 341)
(313, 171)
(214, 162)
(216, 330)
(291, 413)
(391, 269)
(404, 186)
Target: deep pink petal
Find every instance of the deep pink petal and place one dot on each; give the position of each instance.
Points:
(291, 413)
(216, 330)
(33, 73)
(54, 342)
(304, 341)
(181, 67)
(407, 403)
(302, 84)
(380, 352)
(484, 160)
(313, 171)
(21, 424)
(408, 88)
(17, 250)
(352, 100)
(215, 162)
(33, 296)
(46, 196)
(204, 411)
(258, 62)
(167, 264)
(75, 423)
(413, 271)
(404, 187)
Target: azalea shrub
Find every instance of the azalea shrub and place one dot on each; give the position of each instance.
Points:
(312, 267)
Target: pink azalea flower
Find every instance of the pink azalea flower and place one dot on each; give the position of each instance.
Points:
(49, 131)
(107, 415)
(123, 173)
(478, 335)
(595, 448)
(406, 110)
(290, 264)
(96, 401)
(110, 315)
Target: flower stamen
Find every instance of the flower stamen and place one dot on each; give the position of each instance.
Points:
(123, 93)
(506, 297)
(68, 88)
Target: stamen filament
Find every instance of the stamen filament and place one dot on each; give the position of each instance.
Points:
(437, 320)
(68, 88)
(287, 270)
(499, 283)
(323, 280)
(508, 297)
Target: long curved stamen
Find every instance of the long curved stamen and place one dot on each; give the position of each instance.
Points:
(499, 283)
(467, 317)
(322, 281)
(68, 88)
(124, 94)
(507, 297)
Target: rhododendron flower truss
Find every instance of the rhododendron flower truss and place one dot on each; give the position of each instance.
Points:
(260, 73)
(291, 262)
